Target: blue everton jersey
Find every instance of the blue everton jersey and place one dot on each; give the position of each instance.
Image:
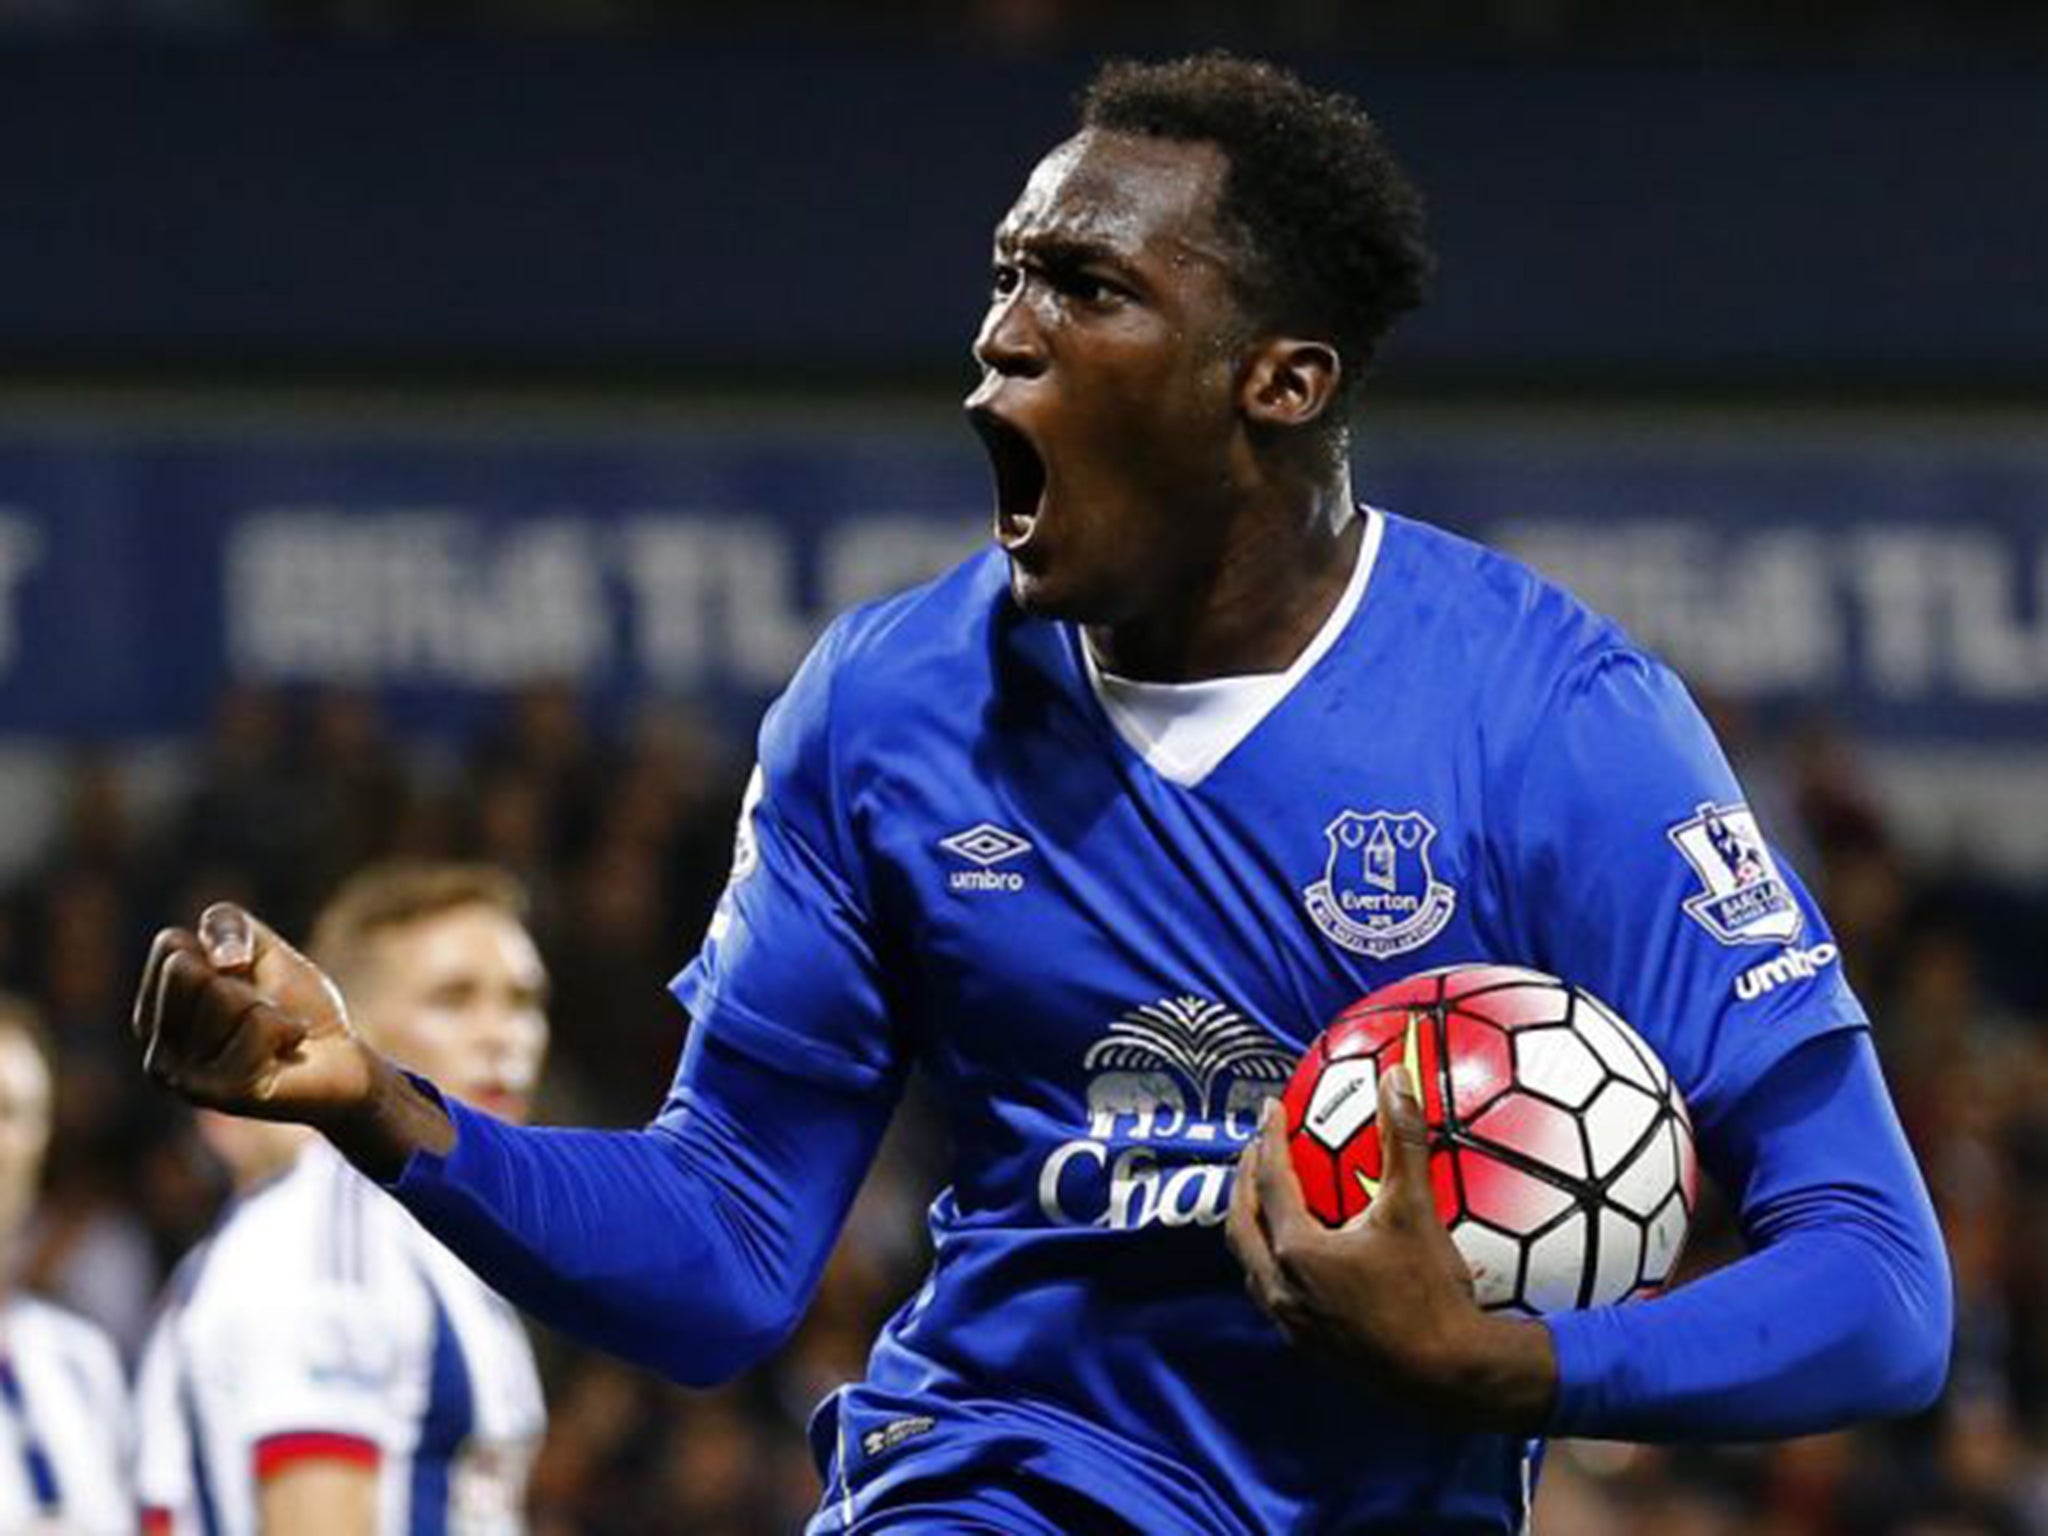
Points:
(951, 858)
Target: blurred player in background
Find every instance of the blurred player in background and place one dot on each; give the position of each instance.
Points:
(64, 1425)
(1097, 831)
(322, 1366)
(254, 1153)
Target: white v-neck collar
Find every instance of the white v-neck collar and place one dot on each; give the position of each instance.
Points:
(1183, 730)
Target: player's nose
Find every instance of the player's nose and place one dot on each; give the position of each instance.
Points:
(516, 1038)
(1010, 341)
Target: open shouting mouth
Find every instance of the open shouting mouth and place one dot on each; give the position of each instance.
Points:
(1020, 476)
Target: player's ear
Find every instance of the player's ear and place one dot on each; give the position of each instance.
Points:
(1290, 382)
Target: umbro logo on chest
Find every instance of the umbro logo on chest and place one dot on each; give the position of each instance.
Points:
(986, 847)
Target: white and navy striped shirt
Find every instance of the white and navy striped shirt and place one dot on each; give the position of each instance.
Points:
(320, 1320)
(64, 1428)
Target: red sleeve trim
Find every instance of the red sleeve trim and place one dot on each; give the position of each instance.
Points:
(156, 1522)
(276, 1452)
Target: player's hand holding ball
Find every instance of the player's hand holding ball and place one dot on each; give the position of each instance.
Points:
(233, 1018)
(1458, 1150)
(1387, 1295)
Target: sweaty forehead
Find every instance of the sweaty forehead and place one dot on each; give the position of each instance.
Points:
(1125, 191)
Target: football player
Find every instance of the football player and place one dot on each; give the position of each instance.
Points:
(64, 1425)
(321, 1365)
(1097, 831)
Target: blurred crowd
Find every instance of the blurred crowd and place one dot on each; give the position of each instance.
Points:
(1894, 26)
(624, 837)
(622, 841)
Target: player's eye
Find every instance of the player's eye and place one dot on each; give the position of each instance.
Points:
(1094, 290)
(1004, 279)
(452, 994)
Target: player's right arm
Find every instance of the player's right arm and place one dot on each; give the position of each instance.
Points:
(691, 1245)
(233, 1018)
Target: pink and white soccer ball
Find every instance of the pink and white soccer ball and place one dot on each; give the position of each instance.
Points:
(1561, 1155)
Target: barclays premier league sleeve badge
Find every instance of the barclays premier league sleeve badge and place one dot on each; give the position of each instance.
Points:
(1745, 900)
(1379, 895)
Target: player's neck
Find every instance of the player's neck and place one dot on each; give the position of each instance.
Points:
(1280, 573)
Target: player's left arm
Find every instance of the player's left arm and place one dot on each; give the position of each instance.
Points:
(1641, 874)
(1841, 1312)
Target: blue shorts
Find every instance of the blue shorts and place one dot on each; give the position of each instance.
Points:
(897, 1464)
(951, 1504)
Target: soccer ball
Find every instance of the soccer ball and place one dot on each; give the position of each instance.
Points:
(1561, 1156)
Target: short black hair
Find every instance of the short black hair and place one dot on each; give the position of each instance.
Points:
(1328, 225)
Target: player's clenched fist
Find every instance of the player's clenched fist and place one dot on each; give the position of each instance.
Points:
(234, 1018)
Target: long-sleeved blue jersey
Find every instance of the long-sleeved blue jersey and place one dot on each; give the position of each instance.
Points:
(960, 855)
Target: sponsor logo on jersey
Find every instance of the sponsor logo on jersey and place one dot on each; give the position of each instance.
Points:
(1744, 899)
(986, 845)
(341, 1349)
(1793, 965)
(1379, 895)
(1174, 1093)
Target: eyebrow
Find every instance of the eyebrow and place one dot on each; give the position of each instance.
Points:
(1062, 250)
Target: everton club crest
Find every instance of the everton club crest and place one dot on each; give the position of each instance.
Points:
(1379, 896)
